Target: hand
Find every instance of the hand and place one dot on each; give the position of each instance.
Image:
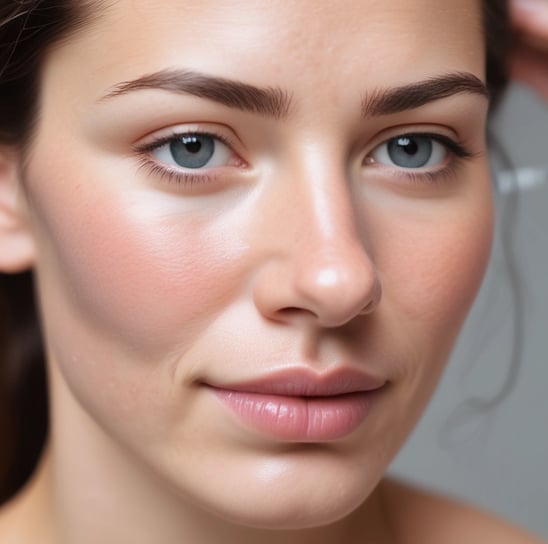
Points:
(530, 57)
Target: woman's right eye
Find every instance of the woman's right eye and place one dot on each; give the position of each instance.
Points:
(192, 151)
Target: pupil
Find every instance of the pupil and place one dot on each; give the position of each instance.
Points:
(409, 146)
(192, 144)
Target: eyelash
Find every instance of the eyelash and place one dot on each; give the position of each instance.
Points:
(167, 174)
(458, 152)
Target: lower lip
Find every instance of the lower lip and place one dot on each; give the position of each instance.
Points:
(308, 419)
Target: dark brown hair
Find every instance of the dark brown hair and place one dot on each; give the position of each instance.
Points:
(28, 28)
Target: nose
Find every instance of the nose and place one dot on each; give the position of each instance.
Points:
(318, 269)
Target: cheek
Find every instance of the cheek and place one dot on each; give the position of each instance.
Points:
(433, 262)
(123, 268)
(432, 254)
(127, 287)
(441, 271)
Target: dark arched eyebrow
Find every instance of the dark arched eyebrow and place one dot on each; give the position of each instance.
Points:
(276, 102)
(415, 95)
(268, 101)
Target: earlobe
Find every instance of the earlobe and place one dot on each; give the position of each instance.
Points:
(16, 241)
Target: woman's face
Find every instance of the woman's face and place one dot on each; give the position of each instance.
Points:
(259, 226)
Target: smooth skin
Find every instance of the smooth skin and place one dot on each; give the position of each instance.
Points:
(301, 247)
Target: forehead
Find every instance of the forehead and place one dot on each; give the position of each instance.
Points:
(302, 43)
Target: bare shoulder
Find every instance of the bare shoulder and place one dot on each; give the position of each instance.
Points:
(424, 517)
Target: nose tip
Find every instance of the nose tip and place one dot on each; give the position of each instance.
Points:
(326, 288)
(337, 290)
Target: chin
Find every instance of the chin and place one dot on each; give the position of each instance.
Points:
(291, 497)
(290, 512)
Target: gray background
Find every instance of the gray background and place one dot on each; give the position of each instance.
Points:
(498, 460)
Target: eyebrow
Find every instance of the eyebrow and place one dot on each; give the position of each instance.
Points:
(275, 102)
(268, 101)
(412, 96)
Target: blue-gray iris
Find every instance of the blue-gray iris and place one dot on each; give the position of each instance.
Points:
(192, 150)
(410, 151)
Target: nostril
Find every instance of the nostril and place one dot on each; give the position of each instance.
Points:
(368, 307)
(294, 313)
(375, 297)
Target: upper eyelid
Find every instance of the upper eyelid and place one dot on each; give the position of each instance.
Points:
(160, 142)
(368, 141)
(415, 129)
(157, 138)
(453, 144)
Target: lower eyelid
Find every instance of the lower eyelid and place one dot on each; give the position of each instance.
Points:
(440, 176)
(167, 175)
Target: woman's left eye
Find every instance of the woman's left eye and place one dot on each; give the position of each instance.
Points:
(192, 151)
(414, 151)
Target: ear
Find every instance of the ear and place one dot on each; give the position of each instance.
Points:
(16, 241)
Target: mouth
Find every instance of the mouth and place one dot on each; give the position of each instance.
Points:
(301, 406)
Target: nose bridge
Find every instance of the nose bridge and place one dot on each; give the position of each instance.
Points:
(322, 265)
(318, 204)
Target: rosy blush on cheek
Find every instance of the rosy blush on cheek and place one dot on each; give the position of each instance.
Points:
(149, 279)
(434, 254)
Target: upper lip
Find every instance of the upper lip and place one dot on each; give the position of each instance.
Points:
(302, 382)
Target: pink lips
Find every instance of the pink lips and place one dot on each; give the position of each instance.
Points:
(299, 405)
